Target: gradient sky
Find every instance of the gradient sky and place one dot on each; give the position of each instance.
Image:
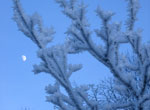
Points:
(19, 87)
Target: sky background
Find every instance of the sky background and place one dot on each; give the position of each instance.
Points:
(19, 87)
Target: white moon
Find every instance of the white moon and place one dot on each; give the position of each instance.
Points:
(24, 58)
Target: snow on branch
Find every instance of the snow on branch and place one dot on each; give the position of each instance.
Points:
(32, 26)
(131, 87)
(133, 7)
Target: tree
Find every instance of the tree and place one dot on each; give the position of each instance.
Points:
(108, 91)
(132, 78)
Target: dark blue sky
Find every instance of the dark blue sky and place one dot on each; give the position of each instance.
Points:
(19, 87)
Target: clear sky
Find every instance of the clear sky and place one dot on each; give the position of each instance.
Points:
(19, 87)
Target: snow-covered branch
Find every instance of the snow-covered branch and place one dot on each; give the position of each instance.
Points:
(132, 74)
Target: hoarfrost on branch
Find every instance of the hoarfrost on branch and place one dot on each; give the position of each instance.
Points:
(130, 88)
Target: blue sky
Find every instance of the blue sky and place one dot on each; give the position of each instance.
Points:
(19, 87)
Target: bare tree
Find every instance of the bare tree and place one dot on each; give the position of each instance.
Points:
(133, 78)
(108, 91)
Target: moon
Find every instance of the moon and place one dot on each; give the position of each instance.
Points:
(24, 58)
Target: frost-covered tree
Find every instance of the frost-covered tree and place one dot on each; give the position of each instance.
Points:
(132, 78)
(108, 91)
